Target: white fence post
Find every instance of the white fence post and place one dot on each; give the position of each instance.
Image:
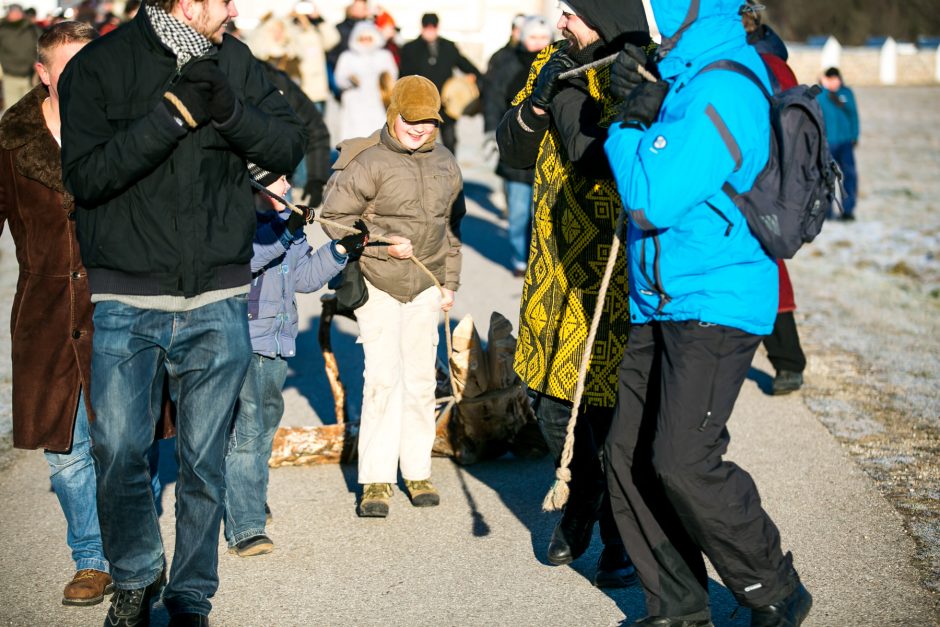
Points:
(888, 70)
(831, 54)
(937, 66)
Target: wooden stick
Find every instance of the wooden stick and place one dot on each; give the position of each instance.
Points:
(608, 60)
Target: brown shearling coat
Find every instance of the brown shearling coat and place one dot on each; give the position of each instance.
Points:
(51, 321)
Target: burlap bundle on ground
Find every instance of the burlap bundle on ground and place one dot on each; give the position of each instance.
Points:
(492, 414)
(486, 416)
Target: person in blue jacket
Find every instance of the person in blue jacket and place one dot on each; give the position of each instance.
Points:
(282, 264)
(703, 292)
(841, 116)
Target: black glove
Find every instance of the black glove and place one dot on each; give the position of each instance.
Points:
(296, 221)
(625, 75)
(222, 98)
(641, 107)
(188, 100)
(355, 242)
(314, 192)
(547, 84)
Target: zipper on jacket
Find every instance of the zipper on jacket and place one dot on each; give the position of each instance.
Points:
(722, 216)
(656, 285)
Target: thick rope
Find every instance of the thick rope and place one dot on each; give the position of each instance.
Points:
(382, 240)
(558, 494)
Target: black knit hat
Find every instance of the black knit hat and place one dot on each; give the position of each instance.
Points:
(260, 175)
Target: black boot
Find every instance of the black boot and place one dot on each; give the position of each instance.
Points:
(131, 608)
(572, 534)
(787, 612)
(614, 568)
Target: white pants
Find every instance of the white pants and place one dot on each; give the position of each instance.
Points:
(397, 424)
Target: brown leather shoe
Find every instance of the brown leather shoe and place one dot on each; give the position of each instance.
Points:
(87, 587)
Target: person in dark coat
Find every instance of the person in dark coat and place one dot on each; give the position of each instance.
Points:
(558, 127)
(505, 77)
(316, 168)
(158, 120)
(436, 59)
(18, 37)
(783, 344)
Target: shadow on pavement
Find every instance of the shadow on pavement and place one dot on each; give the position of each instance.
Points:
(487, 238)
(482, 195)
(764, 381)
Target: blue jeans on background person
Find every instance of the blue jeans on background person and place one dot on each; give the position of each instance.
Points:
(519, 209)
(72, 475)
(205, 353)
(257, 415)
(844, 154)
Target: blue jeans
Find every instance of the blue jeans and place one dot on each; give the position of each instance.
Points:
(519, 208)
(73, 480)
(259, 411)
(844, 154)
(205, 354)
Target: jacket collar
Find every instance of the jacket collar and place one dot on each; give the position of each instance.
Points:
(23, 127)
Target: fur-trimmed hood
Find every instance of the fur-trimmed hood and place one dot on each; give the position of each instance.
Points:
(24, 130)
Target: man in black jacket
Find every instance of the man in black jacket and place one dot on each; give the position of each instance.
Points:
(158, 120)
(436, 58)
(317, 163)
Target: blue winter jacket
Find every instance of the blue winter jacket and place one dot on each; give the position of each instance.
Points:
(282, 265)
(841, 115)
(692, 255)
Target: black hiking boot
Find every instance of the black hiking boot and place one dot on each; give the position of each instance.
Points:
(787, 612)
(131, 608)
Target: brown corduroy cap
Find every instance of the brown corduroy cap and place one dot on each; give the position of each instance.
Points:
(415, 98)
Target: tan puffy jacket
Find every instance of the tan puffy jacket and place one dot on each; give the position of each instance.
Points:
(413, 194)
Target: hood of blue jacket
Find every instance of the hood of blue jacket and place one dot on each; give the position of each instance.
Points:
(692, 28)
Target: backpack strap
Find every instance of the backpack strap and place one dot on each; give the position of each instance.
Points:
(737, 68)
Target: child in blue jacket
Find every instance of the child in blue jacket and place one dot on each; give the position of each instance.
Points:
(282, 264)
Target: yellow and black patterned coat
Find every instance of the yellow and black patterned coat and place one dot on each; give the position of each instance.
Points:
(575, 212)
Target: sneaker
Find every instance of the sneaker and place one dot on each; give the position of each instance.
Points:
(787, 381)
(87, 587)
(374, 501)
(255, 545)
(787, 612)
(131, 608)
(268, 516)
(422, 493)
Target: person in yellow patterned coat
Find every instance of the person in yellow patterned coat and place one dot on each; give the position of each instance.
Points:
(559, 127)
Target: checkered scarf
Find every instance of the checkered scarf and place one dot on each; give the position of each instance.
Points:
(181, 39)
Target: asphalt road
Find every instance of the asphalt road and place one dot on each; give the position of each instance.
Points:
(478, 559)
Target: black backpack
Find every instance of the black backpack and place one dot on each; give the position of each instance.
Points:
(787, 204)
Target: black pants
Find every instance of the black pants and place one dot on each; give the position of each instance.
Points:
(448, 131)
(588, 482)
(673, 496)
(783, 345)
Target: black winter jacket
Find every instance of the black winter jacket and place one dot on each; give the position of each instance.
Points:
(161, 210)
(318, 135)
(416, 59)
(505, 77)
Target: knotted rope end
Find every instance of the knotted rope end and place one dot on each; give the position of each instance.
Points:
(558, 494)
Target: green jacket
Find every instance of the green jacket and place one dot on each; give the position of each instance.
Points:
(160, 210)
(18, 48)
